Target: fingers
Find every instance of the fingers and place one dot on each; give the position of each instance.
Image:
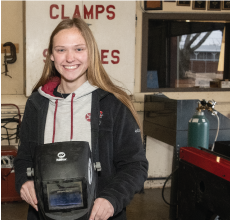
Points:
(27, 193)
(33, 195)
(23, 195)
(102, 210)
(107, 216)
(94, 211)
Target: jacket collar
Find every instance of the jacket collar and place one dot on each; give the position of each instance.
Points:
(101, 93)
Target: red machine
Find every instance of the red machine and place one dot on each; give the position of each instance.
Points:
(8, 153)
(213, 163)
(204, 186)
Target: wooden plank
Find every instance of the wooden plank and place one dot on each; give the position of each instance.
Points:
(7, 48)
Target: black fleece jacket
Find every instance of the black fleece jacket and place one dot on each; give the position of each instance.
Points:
(117, 138)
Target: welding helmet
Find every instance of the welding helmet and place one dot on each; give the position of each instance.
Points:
(65, 180)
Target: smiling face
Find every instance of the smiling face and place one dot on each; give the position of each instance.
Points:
(70, 55)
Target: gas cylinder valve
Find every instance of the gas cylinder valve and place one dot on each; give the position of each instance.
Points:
(204, 105)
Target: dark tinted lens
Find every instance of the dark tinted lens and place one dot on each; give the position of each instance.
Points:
(65, 195)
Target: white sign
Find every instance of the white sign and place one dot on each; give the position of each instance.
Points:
(113, 26)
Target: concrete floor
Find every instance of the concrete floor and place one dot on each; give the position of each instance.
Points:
(149, 206)
(145, 206)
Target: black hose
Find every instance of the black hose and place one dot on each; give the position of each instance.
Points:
(5, 122)
(164, 188)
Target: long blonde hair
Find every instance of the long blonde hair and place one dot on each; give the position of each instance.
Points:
(95, 73)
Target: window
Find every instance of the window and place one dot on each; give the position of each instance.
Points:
(185, 55)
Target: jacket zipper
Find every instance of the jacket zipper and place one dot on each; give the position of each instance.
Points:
(55, 112)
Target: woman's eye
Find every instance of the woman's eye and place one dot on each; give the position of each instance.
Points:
(60, 50)
(79, 49)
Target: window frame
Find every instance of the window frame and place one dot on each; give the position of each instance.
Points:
(223, 17)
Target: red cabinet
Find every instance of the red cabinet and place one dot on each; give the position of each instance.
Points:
(8, 153)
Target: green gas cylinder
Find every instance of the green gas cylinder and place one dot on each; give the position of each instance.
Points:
(198, 131)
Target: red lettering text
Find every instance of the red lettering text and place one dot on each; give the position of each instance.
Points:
(88, 13)
(45, 54)
(114, 54)
(99, 11)
(77, 12)
(51, 11)
(62, 12)
(104, 56)
(116, 57)
(110, 12)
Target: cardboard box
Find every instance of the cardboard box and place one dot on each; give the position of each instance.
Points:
(225, 84)
(184, 83)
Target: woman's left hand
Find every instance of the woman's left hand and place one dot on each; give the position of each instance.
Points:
(102, 210)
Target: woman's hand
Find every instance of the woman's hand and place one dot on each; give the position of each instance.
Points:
(102, 210)
(27, 193)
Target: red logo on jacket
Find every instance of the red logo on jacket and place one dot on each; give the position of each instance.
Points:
(101, 114)
(88, 116)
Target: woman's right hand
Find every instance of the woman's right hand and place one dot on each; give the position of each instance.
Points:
(27, 193)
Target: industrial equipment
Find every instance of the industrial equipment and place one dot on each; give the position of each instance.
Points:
(167, 119)
(11, 125)
(8, 191)
(204, 186)
(198, 126)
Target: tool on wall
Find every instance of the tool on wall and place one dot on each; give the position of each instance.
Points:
(198, 126)
(9, 59)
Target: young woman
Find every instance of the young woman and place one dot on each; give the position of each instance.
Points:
(73, 91)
